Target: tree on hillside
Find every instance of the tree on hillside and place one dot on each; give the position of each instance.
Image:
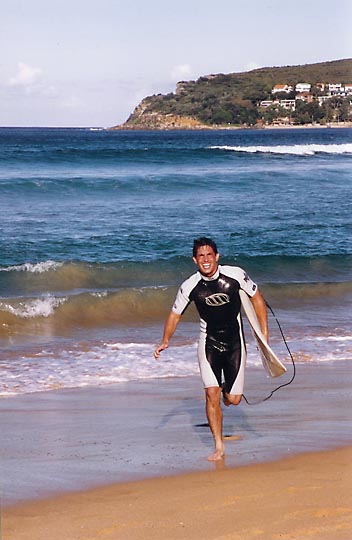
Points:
(307, 113)
(338, 109)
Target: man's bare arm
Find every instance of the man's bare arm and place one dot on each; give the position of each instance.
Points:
(169, 329)
(262, 312)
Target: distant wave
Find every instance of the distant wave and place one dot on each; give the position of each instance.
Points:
(39, 307)
(86, 310)
(296, 149)
(35, 268)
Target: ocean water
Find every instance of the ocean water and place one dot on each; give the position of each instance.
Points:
(96, 232)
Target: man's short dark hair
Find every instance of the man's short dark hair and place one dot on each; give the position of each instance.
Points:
(203, 241)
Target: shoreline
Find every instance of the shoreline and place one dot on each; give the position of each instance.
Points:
(123, 127)
(76, 439)
(305, 496)
(330, 125)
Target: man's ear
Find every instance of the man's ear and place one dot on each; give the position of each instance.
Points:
(217, 256)
(195, 260)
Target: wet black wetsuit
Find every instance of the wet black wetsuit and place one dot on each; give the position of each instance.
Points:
(221, 351)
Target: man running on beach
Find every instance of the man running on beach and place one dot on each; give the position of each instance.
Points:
(221, 352)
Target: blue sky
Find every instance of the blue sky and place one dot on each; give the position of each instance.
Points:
(89, 63)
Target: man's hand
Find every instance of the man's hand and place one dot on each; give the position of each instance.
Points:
(159, 349)
(169, 329)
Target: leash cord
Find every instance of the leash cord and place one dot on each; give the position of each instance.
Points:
(292, 360)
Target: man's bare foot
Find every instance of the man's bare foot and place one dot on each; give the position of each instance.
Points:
(217, 455)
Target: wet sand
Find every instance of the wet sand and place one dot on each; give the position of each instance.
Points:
(58, 446)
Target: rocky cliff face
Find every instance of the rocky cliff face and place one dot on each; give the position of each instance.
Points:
(141, 118)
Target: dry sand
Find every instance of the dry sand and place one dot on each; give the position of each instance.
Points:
(303, 497)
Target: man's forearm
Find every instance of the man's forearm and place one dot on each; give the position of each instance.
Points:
(170, 326)
(169, 330)
(261, 312)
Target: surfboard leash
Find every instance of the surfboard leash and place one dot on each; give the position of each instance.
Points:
(292, 360)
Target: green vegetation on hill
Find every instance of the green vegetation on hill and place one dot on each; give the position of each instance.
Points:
(233, 98)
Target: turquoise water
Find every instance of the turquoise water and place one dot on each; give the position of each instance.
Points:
(96, 234)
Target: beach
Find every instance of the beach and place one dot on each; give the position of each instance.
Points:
(304, 497)
(129, 461)
(98, 440)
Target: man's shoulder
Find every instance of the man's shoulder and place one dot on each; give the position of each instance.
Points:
(184, 293)
(241, 276)
(191, 281)
(232, 271)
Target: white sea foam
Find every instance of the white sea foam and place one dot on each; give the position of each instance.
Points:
(40, 307)
(332, 338)
(102, 294)
(100, 365)
(296, 149)
(105, 363)
(34, 268)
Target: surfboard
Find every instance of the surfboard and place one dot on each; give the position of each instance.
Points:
(272, 365)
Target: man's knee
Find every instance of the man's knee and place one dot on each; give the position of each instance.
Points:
(212, 394)
(233, 399)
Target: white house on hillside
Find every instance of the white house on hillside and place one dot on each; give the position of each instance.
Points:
(282, 88)
(303, 87)
(335, 88)
(289, 104)
(305, 96)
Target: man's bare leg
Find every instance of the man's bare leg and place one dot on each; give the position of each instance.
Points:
(231, 399)
(214, 415)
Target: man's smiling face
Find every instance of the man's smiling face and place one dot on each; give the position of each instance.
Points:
(206, 260)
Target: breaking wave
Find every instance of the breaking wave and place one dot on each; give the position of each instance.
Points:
(295, 149)
(138, 307)
(34, 268)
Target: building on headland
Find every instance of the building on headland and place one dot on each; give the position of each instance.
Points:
(303, 87)
(339, 89)
(289, 104)
(335, 89)
(304, 96)
(306, 93)
(266, 103)
(283, 111)
(320, 86)
(282, 88)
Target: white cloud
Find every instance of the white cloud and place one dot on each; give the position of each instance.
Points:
(181, 72)
(26, 75)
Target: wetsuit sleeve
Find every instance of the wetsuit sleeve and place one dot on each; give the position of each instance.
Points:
(181, 301)
(183, 297)
(247, 284)
(243, 279)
